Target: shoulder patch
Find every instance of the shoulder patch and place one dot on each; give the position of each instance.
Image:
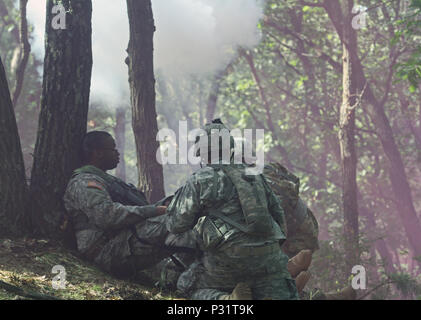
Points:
(96, 185)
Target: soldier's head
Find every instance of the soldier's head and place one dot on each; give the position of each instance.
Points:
(215, 143)
(99, 150)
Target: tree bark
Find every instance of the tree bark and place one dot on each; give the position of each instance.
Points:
(64, 110)
(347, 145)
(120, 138)
(142, 89)
(13, 189)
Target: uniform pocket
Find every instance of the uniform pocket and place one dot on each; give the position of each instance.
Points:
(211, 234)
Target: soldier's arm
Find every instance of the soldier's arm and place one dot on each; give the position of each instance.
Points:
(90, 196)
(184, 209)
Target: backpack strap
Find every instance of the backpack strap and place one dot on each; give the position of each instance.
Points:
(230, 221)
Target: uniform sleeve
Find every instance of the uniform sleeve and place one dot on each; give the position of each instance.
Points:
(90, 196)
(185, 208)
(274, 206)
(305, 236)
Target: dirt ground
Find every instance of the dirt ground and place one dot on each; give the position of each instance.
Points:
(28, 264)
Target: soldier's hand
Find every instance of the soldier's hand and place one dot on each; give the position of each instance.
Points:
(160, 210)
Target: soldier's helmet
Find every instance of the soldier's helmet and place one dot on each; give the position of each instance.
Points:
(216, 139)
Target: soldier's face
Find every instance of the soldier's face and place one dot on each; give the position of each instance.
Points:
(108, 154)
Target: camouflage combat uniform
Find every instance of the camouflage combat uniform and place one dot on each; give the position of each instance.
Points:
(109, 231)
(214, 207)
(302, 227)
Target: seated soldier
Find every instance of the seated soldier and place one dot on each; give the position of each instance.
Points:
(115, 226)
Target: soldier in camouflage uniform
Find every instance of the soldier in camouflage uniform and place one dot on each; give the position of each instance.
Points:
(115, 226)
(302, 230)
(239, 225)
(302, 227)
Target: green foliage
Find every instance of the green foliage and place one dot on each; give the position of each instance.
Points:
(410, 69)
(406, 284)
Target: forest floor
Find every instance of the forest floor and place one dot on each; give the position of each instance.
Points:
(28, 264)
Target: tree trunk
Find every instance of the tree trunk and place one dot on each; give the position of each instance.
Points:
(284, 154)
(380, 244)
(375, 109)
(142, 89)
(347, 146)
(404, 104)
(25, 49)
(13, 189)
(214, 92)
(120, 138)
(64, 110)
(213, 98)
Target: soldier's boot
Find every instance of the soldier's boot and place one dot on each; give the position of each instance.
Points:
(241, 292)
(301, 280)
(299, 263)
(347, 293)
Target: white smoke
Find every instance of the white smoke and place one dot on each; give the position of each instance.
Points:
(110, 36)
(192, 37)
(200, 36)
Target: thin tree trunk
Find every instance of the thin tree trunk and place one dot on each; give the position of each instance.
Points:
(120, 138)
(167, 110)
(281, 149)
(419, 113)
(4, 12)
(214, 92)
(347, 145)
(64, 110)
(13, 189)
(213, 98)
(404, 104)
(375, 109)
(25, 49)
(142, 88)
(380, 244)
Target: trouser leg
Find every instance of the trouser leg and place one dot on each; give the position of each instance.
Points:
(274, 287)
(208, 294)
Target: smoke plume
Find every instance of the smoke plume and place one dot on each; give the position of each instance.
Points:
(192, 37)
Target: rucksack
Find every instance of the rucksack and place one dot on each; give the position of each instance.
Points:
(287, 187)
